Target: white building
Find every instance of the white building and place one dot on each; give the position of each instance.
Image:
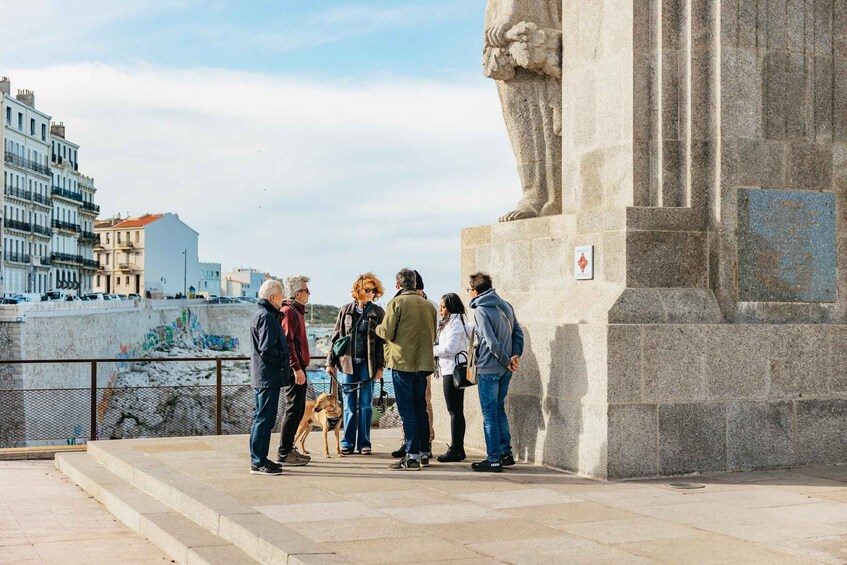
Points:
(155, 253)
(243, 282)
(210, 279)
(48, 206)
(74, 213)
(26, 193)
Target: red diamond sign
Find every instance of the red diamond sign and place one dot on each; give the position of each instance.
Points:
(583, 265)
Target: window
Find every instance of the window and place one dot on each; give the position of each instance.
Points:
(20, 121)
(32, 126)
(127, 280)
(9, 115)
(98, 280)
(118, 281)
(137, 236)
(43, 132)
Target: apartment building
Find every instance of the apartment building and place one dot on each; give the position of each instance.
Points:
(27, 205)
(74, 213)
(48, 205)
(243, 282)
(210, 279)
(153, 253)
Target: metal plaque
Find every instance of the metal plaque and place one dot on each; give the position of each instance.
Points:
(786, 246)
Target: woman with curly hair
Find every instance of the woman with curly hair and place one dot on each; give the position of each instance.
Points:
(361, 359)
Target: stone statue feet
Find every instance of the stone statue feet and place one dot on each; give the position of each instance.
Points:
(518, 215)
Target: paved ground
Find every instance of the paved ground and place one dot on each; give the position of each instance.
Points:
(448, 513)
(528, 514)
(44, 518)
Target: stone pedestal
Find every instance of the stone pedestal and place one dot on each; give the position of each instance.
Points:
(663, 364)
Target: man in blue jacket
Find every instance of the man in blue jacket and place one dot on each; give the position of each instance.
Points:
(269, 372)
(499, 347)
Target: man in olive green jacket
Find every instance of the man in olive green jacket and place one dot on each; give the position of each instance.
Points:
(409, 331)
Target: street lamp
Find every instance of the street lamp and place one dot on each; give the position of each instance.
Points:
(185, 273)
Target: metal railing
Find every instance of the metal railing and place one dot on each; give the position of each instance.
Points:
(17, 257)
(27, 163)
(67, 226)
(68, 194)
(89, 237)
(42, 230)
(18, 225)
(18, 192)
(208, 404)
(41, 199)
(66, 258)
(91, 207)
(90, 263)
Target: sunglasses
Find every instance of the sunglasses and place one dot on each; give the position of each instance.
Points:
(370, 291)
(306, 290)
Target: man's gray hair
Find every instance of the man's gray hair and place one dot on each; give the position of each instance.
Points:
(269, 288)
(406, 279)
(293, 284)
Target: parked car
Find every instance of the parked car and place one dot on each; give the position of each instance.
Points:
(111, 297)
(133, 296)
(11, 301)
(96, 296)
(222, 300)
(72, 298)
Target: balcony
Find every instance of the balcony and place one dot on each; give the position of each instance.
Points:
(125, 245)
(91, 264)
(17, 258)
(75, 197)
(24, 163)
(128, 267)
(89, 237)
(45, 262)
(66, 258)
(42, 230)
(66, 226)
(41, 199)
(18, 225)
(90, 207)
(18, 192)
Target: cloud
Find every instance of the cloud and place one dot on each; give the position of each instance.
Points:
(291, 175)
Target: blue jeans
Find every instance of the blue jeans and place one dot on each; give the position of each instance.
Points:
(264, 418)
(358, 407)
(410, 390)
(492, 398)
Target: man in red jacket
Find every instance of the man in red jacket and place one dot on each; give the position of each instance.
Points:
(294, 395)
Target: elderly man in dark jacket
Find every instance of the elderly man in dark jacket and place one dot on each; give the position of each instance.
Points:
(269, 371)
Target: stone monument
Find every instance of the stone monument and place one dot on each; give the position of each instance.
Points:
(686, 311)
(523, 53)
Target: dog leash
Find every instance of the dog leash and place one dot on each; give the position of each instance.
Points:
(351, 388)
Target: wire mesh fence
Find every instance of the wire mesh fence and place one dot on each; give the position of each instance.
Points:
(75, 414)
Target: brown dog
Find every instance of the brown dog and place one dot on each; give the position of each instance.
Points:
(325, 412)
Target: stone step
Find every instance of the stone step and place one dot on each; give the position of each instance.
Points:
(182, 539)
(260, 537)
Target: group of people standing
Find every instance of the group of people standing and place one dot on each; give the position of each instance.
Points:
(413, 338)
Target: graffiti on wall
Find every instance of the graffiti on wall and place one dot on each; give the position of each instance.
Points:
(186, 331)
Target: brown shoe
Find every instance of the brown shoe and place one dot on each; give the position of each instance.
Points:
(294, 459)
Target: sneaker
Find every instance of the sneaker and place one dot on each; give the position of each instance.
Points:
(406, 464)
(293, 459)
(398, 453)
(268, 469)
(507, 460)
(424, 460)
(452, 455)
(303, 455)
(487, 467)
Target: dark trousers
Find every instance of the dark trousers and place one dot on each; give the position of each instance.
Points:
(293, 408)
(455, 399)
(264, 418)
(410, 390)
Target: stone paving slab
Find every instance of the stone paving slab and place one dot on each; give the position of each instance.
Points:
(46, 519)
(355, 509)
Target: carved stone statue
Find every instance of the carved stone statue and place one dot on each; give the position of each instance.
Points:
(523, 53)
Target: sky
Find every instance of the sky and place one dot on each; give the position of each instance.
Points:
(323, 138)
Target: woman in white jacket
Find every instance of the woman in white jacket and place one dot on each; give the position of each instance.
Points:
(454, 334)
